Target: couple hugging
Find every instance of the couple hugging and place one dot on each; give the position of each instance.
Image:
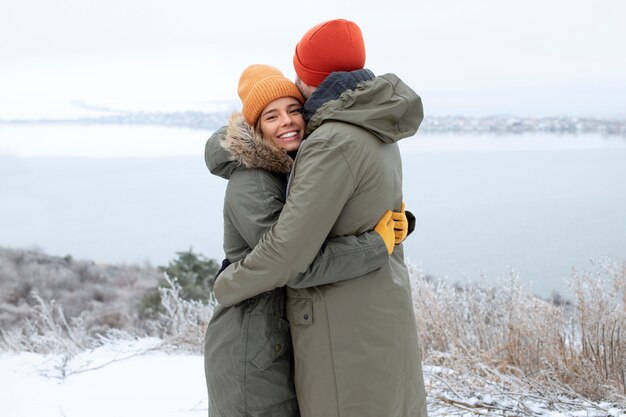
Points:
(315, 315)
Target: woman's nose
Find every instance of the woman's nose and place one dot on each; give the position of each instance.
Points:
(285, 119)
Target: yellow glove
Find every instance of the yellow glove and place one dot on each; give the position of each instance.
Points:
(385, 228)
(401, 229)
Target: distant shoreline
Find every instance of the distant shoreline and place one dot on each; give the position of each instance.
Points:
(497, 124)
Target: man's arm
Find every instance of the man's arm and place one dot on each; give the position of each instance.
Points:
(321, 185)
(340, 258)
(344, 258)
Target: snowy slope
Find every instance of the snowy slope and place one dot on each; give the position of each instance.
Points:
(115, 380)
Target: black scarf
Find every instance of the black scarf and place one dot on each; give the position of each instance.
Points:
(332, 87)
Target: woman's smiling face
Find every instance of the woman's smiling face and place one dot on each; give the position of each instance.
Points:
(282, 122)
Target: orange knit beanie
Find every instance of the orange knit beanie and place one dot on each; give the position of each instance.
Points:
(259, 85)
(335, 45)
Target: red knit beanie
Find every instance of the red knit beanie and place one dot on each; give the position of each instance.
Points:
(335, 45)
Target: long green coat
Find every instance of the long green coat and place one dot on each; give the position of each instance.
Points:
(248, 350)
(355, 342)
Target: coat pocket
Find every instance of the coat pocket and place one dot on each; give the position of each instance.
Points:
(300, 311)
(274, 346)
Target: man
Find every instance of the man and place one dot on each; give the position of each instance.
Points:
(355, 342)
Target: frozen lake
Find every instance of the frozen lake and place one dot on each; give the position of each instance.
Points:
(540, 205)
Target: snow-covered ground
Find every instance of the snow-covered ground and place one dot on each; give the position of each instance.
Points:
(139, 378)
(129, 379)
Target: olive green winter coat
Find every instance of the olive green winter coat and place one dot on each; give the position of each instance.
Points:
(248, 354)
(355, 342)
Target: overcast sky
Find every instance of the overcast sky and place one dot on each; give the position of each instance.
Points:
(532, 57)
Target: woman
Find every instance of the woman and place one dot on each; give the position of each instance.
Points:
(248, 354)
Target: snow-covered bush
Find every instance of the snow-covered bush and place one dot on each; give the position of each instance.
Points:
(182, 324)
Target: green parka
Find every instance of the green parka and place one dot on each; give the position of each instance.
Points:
(355, 342)
(248, 350)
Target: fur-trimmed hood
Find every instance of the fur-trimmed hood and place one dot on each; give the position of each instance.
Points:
(237, 145)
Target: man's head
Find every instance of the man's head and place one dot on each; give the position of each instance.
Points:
(304, 88)
(335, 45)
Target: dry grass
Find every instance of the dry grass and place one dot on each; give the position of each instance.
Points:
(579, 346)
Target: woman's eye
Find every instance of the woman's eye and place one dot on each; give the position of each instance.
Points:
(296, 110)
(269, 118)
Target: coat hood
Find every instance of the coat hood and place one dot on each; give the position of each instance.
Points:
(384, 105)
(239, 145)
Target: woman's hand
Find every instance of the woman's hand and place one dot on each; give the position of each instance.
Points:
(405, 224)
(395, 226)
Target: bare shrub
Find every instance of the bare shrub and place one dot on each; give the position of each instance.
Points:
(47, 331)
